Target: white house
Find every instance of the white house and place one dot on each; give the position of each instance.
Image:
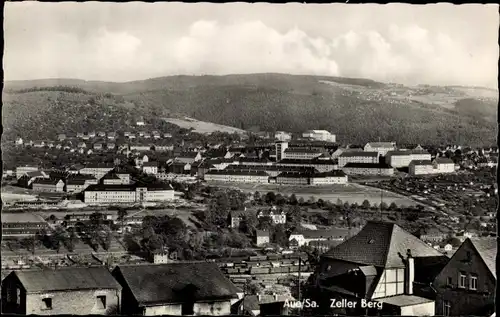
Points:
(319, 135)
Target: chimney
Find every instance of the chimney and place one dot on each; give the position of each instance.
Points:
(276, 297)
(410, 273)
(259, 298)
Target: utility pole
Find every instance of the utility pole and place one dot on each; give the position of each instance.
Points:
(299, 295)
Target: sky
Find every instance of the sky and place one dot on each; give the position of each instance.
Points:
(438, 44)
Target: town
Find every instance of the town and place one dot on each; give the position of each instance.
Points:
(274, 218)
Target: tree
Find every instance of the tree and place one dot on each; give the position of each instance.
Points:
(383, 205)
(280, 200)
(393, 206)
(339, 202)
(293, 200)
(301, 201)
(122, 214)
(365, 204)
(270, 198)
(280, 236)
(264, 223)
(249, 223)
(257, 197)
(154, 243)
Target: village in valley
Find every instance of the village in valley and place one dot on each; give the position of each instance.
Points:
(269, 213)
(179, 159)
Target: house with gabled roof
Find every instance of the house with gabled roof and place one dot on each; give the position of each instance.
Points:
(380, 147)
(188, 157)
(176, 289)
(71, 290)
(466, 285)
(383, 264)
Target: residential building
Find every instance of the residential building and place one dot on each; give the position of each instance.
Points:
(82, 145)
(79, 184)
(278, 217)
(280, 148)
(380, 147)
(443, 165)
(271, 170)
(140, 122)
(92, 134)
(22, 224)
(150, 168)
(21, 170)
(61, 137)
(380, 169)
(320, 165)
(110, 146)
(29, 178)
(262, 237)
(98, 146)
(48, 185)
(282, 136)
(264, 305)
(420, 167)
(328, 178)
(181, 289)
(124, 176)
(188, 157)
(305, 236)
(104, 194)
(466, 285)
(400, 159)
(237, 176)
(319, 135)
(112, 179)
(176, 167)
(112, 135)
(98, 170)
(291, 178)
(301, 153)
(383, 264)
(235, 218)
(19, 141)
(358, 157)
(65, 291)
(101, 134)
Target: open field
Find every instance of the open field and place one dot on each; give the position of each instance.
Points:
(352, 193)
(12, 194)
(202, 126)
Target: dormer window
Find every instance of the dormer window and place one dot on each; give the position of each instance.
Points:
(371, 241)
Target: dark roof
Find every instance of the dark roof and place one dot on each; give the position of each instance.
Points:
(334, 173)
(77, 181)
(443, 160)
(150, 164)
(381, 144)
(126, 187)
(188, 155)
(426, 269)
(164, 283)
(67, 279)
(367, 165)
(111, 176)
(358, 153)
(294, 175)
(379, 244)
(487, 249)
(43, 181)
(306, 162)
(302, 150)
(99, 165)
(239, 172)
(35, 174)
(421, 162)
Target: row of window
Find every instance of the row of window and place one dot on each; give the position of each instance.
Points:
(462, 281)
(100, 302)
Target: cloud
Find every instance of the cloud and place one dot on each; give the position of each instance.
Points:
(409, 54)
(397, 53)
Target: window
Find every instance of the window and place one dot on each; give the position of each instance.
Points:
(462, 279)
(449, 281)
(473, 282)
(18, 296)
(47, 303)
(101, 302)
(187, 308)
(446, 308)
